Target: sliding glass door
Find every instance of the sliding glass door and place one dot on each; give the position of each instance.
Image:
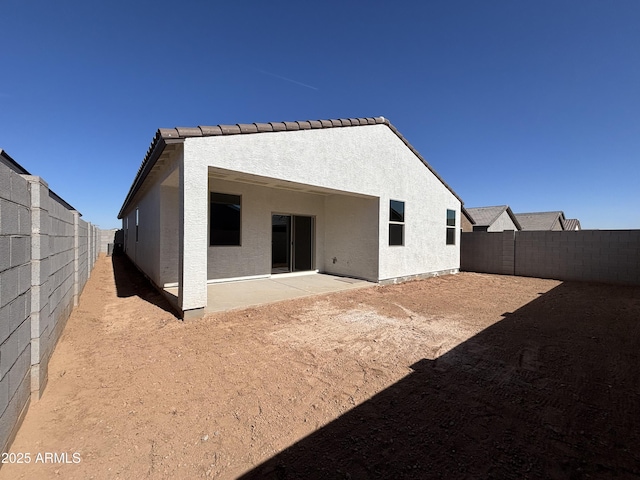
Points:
(291, 243)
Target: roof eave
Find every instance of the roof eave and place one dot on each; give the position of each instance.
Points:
(513, 218)
(162, 138)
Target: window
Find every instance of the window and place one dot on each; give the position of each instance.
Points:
(396, 222)
(224, 220)
(451, 227)
(137, 222)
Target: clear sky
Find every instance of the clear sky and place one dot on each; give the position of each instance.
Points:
(534, 104)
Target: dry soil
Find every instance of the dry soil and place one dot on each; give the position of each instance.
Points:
(462, 376)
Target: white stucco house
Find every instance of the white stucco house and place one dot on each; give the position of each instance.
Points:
(348, 197)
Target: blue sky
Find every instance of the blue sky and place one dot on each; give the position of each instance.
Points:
(535, 104)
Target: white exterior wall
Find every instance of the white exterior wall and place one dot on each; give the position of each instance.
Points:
(355, 249)
(156, 250)
(169, 234)
(145, 252)
(351, 236)
(253, 257)
(367, 160)
(502, 223)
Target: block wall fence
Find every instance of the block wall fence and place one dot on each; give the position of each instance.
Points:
(609, 256)
(46, 255)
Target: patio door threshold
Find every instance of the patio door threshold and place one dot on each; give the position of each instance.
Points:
(294, 274)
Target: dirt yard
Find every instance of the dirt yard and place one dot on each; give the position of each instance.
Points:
(464, 376)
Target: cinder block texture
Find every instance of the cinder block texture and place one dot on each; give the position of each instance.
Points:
(37, 263)
(487, 252)
(609, 256)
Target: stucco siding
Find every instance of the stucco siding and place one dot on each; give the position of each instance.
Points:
(351, 236)
(154, 247)
(369, 160)
(253, 257)
(169, 234)
(502, 223)
(146, 250)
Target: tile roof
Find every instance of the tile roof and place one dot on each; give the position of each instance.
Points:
(539, 220)
(486, 216)
(572, 224)
(165, 136)
(468, 215)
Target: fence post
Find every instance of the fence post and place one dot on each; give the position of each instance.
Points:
(39, 194)
(76, 257)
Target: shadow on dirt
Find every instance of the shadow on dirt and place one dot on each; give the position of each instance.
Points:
(130, 282)
(550, 391)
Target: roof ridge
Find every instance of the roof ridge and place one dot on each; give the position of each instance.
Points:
(539, 213)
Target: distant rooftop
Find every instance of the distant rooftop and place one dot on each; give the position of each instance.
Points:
(486, 216)
(540, 220)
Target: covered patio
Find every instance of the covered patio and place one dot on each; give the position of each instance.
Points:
(234, 295)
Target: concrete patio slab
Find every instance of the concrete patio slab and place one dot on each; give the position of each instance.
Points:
(240, 294)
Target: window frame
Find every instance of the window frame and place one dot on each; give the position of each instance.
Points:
(211, 224)
(451, 227)
(394, 222)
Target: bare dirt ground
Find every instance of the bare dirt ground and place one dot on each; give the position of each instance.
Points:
(464, 376)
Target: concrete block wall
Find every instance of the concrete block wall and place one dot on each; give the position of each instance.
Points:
(487, 252)
(610, 256)
(105, 238)
(15, 298)
(46, 255)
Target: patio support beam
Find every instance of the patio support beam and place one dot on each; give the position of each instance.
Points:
(192, 290)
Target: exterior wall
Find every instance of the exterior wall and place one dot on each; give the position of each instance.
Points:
(351, 236)
(502, 223)
(145, 251)
(154, 249)
(253, 257)
(346, 228)
(611, 256)
(367, 160)
(46, 254)
(169, 234)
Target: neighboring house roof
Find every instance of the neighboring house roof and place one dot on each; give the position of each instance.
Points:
(486, 216)
(468, 216)
(165, 136)
(5, 159)
(540, 220)
(572, 224)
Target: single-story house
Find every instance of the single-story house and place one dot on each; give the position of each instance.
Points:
(541, 220)
(348, 197)
(493, 219)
